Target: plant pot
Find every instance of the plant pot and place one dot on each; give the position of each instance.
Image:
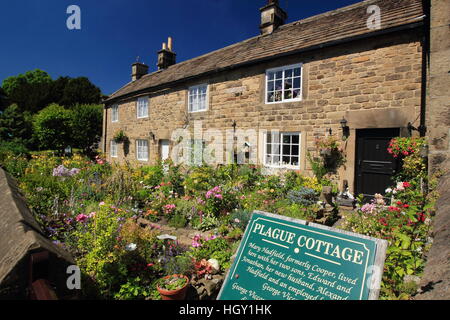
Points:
(178, 294)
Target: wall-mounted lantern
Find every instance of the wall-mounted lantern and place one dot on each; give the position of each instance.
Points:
(152, 136)
(345, 129)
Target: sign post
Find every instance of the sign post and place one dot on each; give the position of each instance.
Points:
(287, 259)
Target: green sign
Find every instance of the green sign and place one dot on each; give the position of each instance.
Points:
(285, 259)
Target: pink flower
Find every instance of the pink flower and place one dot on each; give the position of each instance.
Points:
(81, 218)
(218, 196)
(101, 203)
(406, 185)
(92, 214)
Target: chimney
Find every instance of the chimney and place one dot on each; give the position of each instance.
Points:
(166, 57)
(138, 70)
(272, 16)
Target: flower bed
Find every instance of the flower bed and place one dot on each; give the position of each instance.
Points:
(92, 208)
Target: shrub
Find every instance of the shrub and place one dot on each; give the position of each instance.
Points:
(53, 128)
(178, 221)
(304, 196)
(86, 123)
(240, 218)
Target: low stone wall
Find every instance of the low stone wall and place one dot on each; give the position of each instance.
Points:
(20, 237)
(435, 283)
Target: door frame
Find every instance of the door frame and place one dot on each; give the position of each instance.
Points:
(358, 155)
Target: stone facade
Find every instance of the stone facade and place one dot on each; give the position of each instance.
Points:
(373, 84)
(438, 95)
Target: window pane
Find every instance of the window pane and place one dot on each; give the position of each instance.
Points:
(278, 96)
(275, 148)
(286, 160)
(288, 84)
(269, 149)
(276, 160)
(270, 86)
(295, 139)
(295, 150)
(271, 97)
(288, 95)
(294, 161)
(286, 150)
(296, 83)
(286, 138)
(288, 73)
(271, 76)
(297, 72)
(296, 94)
(278, 84)
(279, 75)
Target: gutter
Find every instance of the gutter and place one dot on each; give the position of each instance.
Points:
(404, 27)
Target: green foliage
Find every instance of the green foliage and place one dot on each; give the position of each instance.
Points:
(181, 264)
(30, 91)
(209, 248)
(16, 126)
(198, 180)
(52, 128)
(86, 125)
(240, 218)
(207, 223)
(78, 91)
(178, 221)
(132, 290)
(173, 282)
(304, 196)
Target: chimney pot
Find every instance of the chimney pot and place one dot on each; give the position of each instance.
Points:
(166, 56)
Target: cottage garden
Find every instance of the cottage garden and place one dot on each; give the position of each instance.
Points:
(93, 209)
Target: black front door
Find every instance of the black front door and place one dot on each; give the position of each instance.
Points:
(374, 165)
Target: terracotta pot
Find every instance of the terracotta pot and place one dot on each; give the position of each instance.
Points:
(178, 294)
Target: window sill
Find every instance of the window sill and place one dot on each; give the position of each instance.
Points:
(285, 101)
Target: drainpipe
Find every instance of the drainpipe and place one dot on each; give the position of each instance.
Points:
(425, 64)
(105, 127)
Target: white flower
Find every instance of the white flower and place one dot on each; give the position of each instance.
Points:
(388, 190)
(131, 247)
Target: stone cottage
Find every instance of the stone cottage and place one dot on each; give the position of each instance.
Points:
(356, 73)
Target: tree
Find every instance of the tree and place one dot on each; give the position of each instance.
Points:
(16, 126)
(30, 91)
(52, 128)
(4, 101)
(86, 126)
(79, 91)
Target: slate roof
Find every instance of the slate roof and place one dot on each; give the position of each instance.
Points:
(314, 32)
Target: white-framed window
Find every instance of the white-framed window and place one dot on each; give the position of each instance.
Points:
(115, 113)
(282, 150)
(113, 149)
(142, 107)
(198, 98)
(284, 84)
(142, 150)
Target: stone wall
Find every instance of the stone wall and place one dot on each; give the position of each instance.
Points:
(373, 83)
(438, 98)
(435, 283)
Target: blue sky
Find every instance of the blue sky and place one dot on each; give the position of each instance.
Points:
(33, 33)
